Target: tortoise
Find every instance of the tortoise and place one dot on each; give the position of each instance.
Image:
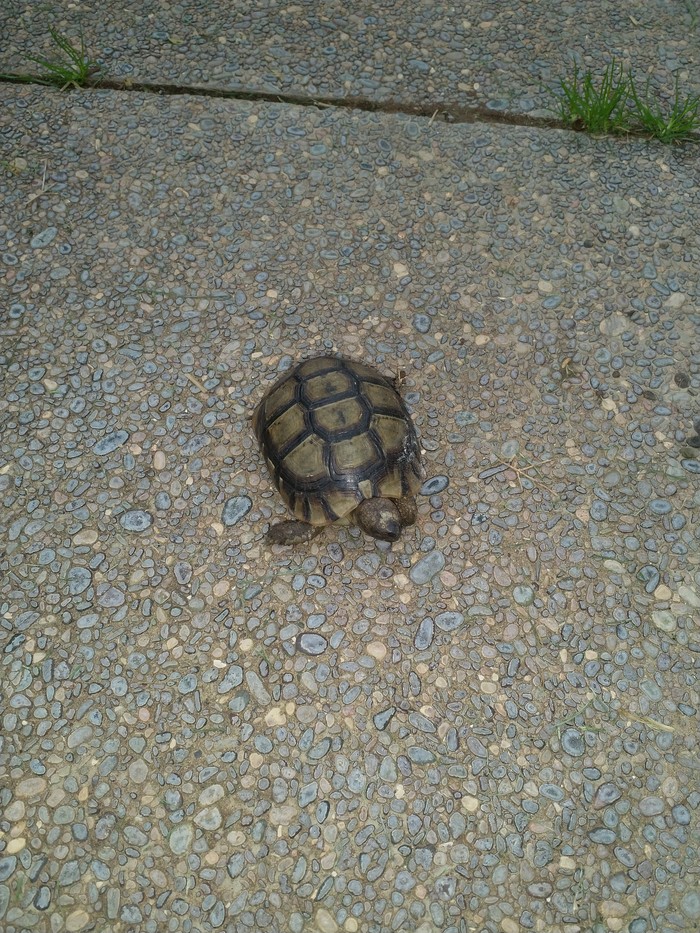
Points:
(338, 439)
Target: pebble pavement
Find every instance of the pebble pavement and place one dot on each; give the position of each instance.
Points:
(502, 56)
(490, 726)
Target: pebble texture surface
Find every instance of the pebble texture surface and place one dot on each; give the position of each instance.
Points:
(502, 56)
(491, 725)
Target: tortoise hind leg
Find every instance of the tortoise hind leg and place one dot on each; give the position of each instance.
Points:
(291, 532)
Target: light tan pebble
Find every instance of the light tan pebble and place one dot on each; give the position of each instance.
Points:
(614, 565)
(55, 796)
(77, 920)
(612, 909)
(447, 577)
(282, 592)
(30, 787)
(275, 717)
(664, 620)
(138, 771)
(669, 787)
(306, 714)
(377, 650)
(221, 588)
(159, 460)
(284, 814)
(14, 811)
(16, 845)
(211, 794)
(328, 860)
(470, 804)
(324, 921)
(210, 818)
(689, 596)
(676, 300)
(508, 925)
(86, 536)
(614, 325)
(662, 592)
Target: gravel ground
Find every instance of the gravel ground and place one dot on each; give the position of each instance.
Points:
(490, 726)
(499, 55)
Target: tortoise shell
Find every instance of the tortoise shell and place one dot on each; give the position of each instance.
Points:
(334, 432)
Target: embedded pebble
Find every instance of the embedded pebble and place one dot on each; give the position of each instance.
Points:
(665, 620)
(422, 323)
(425, 634)
(523, 595)
(573, 742)
(110, 443)
(235, 509)
(449, 621)
(434, 485)
(651, 806)
(426, 568)
(605, 795)
(311, 643)
(136, 520)
(44, 238)
(181, 838)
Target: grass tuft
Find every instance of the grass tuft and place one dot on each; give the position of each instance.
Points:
(597, 108)
(676, 125)
(72, 68)
(615, 105)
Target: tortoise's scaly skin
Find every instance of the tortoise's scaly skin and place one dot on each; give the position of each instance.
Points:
(335, 432)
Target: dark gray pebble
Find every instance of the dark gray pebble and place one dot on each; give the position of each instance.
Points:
(572, 742)
(110, 443)
(551, 792)
(434, 485)
(681, 815)
(449, 621)
(42, 239)
(162, 501)
(235, 509)
(236, 864)
(602, 836)
(422, 323)
(311, 643)
(381, 720)
(136, 520)
(605, 795)
(425, 634)
(650, 577)
(79, 579)
(625, 856)
(427, 567)
(599, 511)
